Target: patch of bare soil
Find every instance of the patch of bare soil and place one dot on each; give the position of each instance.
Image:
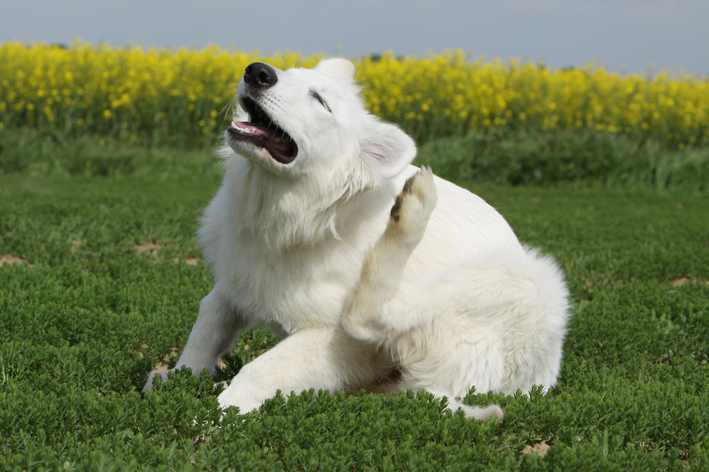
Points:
(685, 280)
(162, 365)
(540, 448)
(9, 260)
(174, 351)
(151, 249)
(187, 260)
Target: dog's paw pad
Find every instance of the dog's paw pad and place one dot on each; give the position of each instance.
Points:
(416, 201)
(409, 182)
(395, 209)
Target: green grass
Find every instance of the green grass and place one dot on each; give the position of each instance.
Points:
(554, 158)
(567, 158)
(82, 327)
(38, 153)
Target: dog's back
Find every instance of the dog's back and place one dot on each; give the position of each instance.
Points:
(462, 225)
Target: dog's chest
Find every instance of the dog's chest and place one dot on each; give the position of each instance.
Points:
(293, 270)
(301, 289)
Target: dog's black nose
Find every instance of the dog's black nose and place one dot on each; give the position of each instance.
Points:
(260, 75)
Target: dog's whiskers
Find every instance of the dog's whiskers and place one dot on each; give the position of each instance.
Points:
(285, 66)
(232, 103)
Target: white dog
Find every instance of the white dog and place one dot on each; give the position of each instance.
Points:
(308, 236)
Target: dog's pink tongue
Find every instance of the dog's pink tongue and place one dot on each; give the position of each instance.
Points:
(245, 127)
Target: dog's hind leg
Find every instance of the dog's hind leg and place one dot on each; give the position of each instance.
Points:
(374, 312)
(321, 359)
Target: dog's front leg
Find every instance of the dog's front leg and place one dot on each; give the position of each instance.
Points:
(324, 358)
(366, 316)
(216, 328)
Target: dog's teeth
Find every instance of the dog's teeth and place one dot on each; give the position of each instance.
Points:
(241, 129)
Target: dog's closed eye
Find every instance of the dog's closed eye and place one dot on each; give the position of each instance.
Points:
(317, 97)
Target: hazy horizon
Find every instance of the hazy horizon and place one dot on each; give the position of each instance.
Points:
(622, 35)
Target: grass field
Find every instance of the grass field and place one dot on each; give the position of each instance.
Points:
(580, 158)
(106, 162)
(107, 280)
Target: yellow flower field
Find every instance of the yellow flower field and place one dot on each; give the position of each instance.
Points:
(154, 93)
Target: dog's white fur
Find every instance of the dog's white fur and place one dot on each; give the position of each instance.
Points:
(444, 291)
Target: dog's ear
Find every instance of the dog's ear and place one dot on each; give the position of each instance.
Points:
(386, 152)
(342, 70)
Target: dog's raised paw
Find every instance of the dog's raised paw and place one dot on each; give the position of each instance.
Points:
(413, 206)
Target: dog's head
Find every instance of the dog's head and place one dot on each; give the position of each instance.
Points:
(311, 123)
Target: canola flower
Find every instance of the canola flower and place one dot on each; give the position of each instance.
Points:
(155, 93)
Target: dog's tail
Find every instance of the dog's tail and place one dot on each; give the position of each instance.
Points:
(390, 381)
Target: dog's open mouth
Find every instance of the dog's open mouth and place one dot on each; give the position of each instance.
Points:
(263, 132)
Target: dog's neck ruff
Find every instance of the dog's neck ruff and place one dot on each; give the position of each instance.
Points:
(282, 213)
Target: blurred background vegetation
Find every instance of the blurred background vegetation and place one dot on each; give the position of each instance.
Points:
(97, 110)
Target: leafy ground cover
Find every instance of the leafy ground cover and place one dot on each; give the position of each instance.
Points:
(106, 283)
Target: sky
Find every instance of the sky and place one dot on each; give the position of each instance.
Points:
(629, 36)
